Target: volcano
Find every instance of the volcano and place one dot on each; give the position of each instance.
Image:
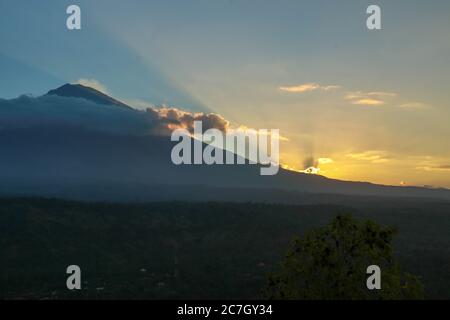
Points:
(88, 93)
(78, 143)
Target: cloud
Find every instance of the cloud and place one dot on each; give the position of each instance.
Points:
(325, 160)
(374, 98)
(333, 87)
(430, 163)
(309, 162)
(445, 168)
(361, 98)
(170, 119)
(374, 94)
(53, 110)
(379, 98)
(94, 84)
(373, 156)
(415, 105)
(311, 165)
(382, 94)
(368, 102)
(311, 170)
(302, 88)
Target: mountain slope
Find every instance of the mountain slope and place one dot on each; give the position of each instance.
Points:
(80, 91)
(62, 146)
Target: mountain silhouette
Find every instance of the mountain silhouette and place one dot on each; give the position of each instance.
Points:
(67, 144)
(88, 93)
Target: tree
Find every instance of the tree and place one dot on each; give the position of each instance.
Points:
(331, 262)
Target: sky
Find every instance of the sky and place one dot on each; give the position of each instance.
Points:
(357, 104)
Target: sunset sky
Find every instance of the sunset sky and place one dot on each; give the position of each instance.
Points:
(358, 104)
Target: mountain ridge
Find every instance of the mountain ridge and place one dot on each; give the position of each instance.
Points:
(49, 156)
(88, 93)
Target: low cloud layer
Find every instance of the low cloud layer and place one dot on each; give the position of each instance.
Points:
(52, 110)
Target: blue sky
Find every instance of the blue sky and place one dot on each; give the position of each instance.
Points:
(315, 39)
(232, 57)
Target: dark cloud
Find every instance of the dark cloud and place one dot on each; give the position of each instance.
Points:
(310, 162)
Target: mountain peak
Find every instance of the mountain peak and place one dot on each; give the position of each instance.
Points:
(88, 93)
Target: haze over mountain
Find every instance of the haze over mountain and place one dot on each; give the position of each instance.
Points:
(76, 142)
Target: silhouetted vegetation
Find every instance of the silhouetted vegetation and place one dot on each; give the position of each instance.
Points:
(190, 250)
(331, 262)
